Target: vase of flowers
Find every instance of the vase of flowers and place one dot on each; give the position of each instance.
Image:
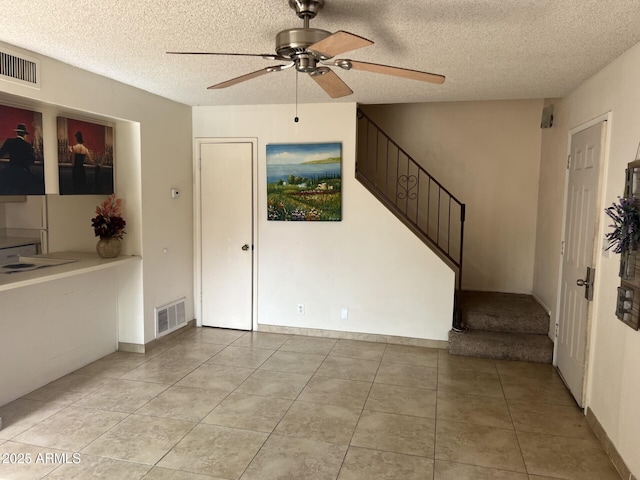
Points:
(625, 236)
(108, 224)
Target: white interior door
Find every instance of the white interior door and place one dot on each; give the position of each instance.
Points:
(579, 237)
(226, 234)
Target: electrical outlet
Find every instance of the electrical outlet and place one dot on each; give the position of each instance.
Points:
(301, 309)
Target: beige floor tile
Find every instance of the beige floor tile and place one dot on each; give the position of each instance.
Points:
(71, 429)
(27, 471)
(312, 345)
(216, 377)
(566, 457)
(537, 477)
(122, 395)
(478, 445)
(327, 423)
(284, 458)
(336, 391)
(459, 471)
(349, 368)
(98, 468)
(425, 357)
(474, 409)
(536, 389)
(68, 389)
(140, 439)
(452, 363)
(161, 370)
(271, 341)
(526, 369)
(114, 365)
(249, 412)
(22, 414)
(568, 421)
(191, 352)
(216, 335)
(293, 362)
(183, 403)
(395, 433)
(157, 473)
(407, 375)
(214, 450)
(418, 402)
(247, 357)
(360, 350)
(274, 384)
(470, 383)
(365, 464)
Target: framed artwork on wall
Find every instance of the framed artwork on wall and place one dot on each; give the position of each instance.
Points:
(21, 152)
(85, 158)
(304, 182)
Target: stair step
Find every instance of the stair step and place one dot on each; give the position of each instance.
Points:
(502, 345)
(502, 312)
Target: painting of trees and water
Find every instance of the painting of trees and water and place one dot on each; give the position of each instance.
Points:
(304, 182)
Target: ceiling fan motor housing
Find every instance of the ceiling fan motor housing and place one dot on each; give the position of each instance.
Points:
(292, 42)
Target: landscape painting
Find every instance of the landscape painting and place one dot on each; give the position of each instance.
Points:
(304, 182)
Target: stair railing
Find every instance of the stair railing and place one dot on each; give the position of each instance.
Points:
(414, 196)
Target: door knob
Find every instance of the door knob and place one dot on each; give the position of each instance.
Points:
(581, 283)
(245, 247)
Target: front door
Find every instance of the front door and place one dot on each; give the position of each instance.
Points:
(226, 189)
(578, 255)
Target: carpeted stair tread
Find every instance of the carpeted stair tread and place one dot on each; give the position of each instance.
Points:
(502, 345)
(502, 312)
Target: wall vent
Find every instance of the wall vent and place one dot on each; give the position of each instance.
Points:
(170, 317)
(19, 68)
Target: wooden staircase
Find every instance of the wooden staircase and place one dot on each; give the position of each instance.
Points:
(502, 326)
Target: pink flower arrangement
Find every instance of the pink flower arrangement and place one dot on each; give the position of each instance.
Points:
(108, 222)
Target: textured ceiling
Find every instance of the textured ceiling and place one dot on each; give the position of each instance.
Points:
(487, 49)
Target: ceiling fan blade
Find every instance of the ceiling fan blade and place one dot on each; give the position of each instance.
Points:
(248, 76)
(388, 70)
(330, 82)
(338, 43)
(266, 56)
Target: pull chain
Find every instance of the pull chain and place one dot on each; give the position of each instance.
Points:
(296, 119)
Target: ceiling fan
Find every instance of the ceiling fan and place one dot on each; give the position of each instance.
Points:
(311, 50)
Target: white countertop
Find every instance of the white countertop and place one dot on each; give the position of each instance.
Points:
(85, 262)
(8, 242)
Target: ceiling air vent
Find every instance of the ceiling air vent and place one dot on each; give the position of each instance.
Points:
(18, 68)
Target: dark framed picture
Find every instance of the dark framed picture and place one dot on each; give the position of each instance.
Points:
(21, 157)
(304, 182)
(85, 158)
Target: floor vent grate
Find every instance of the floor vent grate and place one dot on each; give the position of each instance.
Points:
(19, 68)
(170, 317)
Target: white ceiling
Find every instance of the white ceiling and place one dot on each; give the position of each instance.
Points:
(487, 49)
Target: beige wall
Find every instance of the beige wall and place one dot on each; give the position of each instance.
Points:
(369, 263)
(613, 370)
(153, 154)
(487, 154)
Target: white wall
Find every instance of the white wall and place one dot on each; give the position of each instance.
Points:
(369, 262)
(487, 154)
(153, 154)
(613, 378)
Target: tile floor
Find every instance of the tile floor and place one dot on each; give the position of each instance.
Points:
(221, 404)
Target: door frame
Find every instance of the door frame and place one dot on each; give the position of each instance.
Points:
(197, 223)
(598, 244)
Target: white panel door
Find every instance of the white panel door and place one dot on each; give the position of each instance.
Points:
(584, 170)
(227, 234)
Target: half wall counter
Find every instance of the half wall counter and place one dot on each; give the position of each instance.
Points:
(62, 311)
